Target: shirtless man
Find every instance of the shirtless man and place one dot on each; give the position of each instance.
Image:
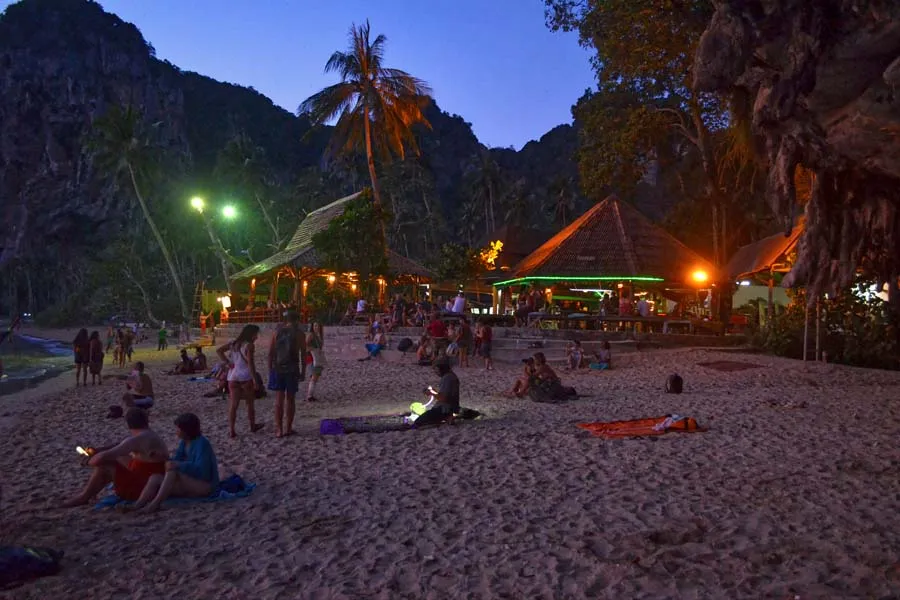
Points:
(140, 388)
(129, 465)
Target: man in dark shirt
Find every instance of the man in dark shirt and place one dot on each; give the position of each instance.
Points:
(446, 403)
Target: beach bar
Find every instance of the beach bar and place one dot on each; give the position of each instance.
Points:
(593, 271)
(300, 262)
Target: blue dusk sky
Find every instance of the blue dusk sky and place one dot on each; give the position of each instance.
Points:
(493, 62)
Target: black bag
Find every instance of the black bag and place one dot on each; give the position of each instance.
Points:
(674, 384)
(261, 389)
(404, 345)
(20, 564)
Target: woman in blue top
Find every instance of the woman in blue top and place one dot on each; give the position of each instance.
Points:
(191, 473)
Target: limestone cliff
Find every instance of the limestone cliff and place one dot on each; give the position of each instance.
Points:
(819, 83)
(59, 70)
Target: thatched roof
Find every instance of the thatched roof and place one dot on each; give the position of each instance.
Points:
(300, 252)
(764, 254)
(613, 239)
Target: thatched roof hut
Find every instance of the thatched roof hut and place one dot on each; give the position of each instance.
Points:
(612, 241)
(299, 253)
(764, 256)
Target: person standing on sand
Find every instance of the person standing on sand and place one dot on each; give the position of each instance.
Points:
(81, 346)
(240, 356)
(163, 339)
(129, 465)
(192, 472)
(486, 337)
(287, 368)
(110, 338)
(95, 358)
(315, 342)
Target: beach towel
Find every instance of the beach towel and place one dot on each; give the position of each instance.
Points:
(202, 379)
(229, 489)
(380, 423)
(21, 564)
(643, 427)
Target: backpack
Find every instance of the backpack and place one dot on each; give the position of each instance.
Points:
(674, 384)
(404, 345)
(286, 350)
(19, 564)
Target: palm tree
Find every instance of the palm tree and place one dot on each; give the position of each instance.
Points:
(123, 149)
(485, 182)
(376, 106)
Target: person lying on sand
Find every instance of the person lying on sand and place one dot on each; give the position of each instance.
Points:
(446, 402)
(192, 472)
(520, 387)
(140, 388)
(128, 465)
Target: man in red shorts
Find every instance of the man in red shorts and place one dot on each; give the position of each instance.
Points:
(129, 464)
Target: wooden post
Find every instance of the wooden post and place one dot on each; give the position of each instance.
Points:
(770, 303)
(818, 324)
(252, 299)
(806, 330)
(295, 300)
(303, 285)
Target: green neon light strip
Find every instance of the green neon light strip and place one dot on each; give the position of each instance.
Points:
(576, 278)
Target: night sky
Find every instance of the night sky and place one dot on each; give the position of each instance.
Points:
(491, 61)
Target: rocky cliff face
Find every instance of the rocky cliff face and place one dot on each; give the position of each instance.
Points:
(57, 74)
(820, 85)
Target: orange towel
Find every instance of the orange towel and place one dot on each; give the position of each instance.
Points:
(641, 427)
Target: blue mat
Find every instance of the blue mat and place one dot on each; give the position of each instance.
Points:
(201, 378)
(242, 490)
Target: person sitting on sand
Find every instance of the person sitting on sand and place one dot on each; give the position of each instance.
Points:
(140, 388)
(446, 401)
(520, 387)
(185, 366)
(378, 343)
(603, 358)
(220, 374)
(199, 360)
(192, 472)
(574, 355)
(128, 465)
(425, 351)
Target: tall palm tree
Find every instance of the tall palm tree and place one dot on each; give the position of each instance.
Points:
(122, 148)
(376, 106)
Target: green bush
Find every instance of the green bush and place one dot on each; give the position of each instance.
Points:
(855, 330)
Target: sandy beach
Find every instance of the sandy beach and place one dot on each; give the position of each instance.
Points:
(793, 491)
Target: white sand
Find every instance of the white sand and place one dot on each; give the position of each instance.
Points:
(772, 501)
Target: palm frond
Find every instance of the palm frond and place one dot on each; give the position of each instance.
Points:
(333, 101)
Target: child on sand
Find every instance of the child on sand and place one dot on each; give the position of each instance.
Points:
(603, 358)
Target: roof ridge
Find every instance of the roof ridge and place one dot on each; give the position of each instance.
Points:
(630, 254)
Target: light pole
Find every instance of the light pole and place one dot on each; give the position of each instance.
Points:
(229, 212)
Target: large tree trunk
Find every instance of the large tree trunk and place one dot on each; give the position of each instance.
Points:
(376, 191)
(220, 252)
(710, 172)
(276, 238)
(151, 318)
(176, 279)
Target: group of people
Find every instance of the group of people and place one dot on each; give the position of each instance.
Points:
(290, 352)
(142, 471)
(456, 339)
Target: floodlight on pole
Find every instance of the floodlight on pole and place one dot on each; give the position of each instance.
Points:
(229, 211)
(197, 204)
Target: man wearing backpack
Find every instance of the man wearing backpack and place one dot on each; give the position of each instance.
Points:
(287, 368)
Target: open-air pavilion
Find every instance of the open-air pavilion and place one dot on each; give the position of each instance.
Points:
(613, 252)
(300, 262)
